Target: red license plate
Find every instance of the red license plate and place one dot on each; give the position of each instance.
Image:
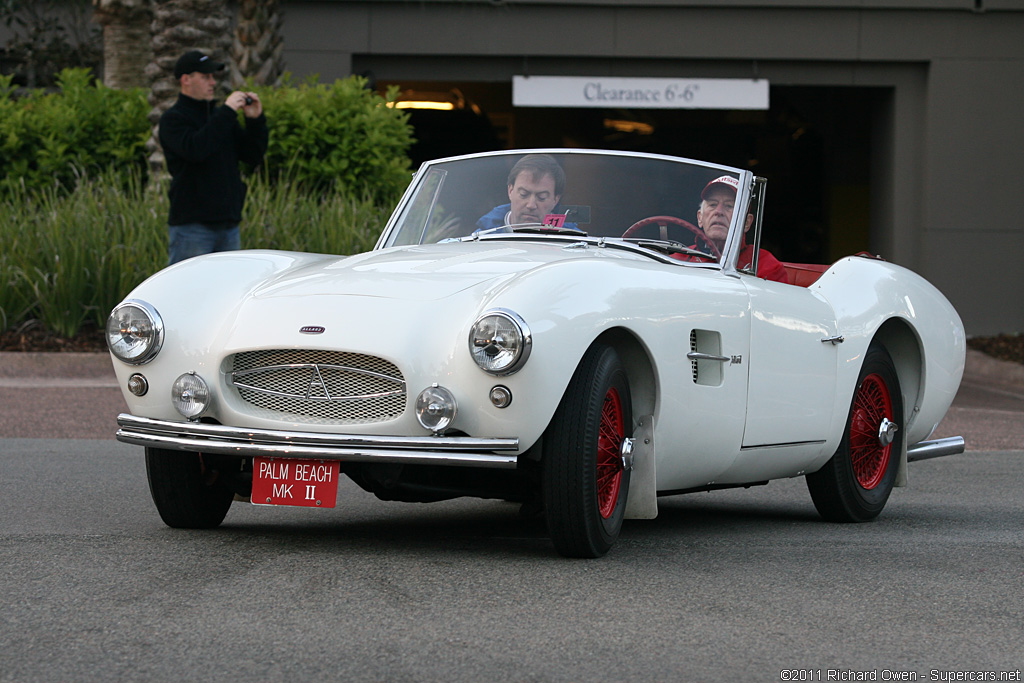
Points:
(306, 483)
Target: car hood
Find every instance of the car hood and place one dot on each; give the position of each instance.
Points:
(420, 273)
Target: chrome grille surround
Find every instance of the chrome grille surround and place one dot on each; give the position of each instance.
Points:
(320, 387)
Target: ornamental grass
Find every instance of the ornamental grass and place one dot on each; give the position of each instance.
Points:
(67, 258)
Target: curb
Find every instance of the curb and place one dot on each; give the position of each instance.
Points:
(56, 366)
(982, 367)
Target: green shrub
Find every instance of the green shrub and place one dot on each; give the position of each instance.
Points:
(325, 137)
(285, 216)
(340, 136)
(80, 225)
(51, 139)
(68, 256)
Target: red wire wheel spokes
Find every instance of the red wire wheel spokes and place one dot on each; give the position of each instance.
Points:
(609, 459)
(867, 454)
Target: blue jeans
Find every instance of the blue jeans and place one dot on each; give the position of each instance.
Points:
(193, 239)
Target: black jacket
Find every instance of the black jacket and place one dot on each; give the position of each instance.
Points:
(203, 144)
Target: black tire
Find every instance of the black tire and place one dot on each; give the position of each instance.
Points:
(186, 493)
(855, 484)
(583, 510)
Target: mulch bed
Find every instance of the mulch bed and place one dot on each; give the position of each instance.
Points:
(1002, 346)
(32, 336)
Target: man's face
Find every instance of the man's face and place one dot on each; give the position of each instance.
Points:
(198, 86)
(715, 214)
(532, 198)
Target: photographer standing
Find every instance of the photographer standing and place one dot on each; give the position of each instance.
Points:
(203, 144)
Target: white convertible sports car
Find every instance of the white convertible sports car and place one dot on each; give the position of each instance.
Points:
(581, 331)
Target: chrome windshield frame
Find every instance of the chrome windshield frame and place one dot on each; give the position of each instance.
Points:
(392, 229)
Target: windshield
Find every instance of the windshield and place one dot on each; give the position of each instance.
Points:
(651, 200)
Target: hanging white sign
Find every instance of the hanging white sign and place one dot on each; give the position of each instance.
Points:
(639, 93)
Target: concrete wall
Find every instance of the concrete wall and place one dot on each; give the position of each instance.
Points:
(973, 232)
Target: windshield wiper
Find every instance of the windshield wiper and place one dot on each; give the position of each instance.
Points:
(670, 247)
(537, 228)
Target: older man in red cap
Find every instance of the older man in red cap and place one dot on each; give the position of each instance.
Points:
(718, 199)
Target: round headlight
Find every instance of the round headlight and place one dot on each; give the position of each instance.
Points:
(190, 395)
(135, 332)
(435, 408)
(500, 342)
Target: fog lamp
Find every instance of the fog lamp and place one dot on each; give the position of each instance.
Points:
(435, 408)
(190, 395)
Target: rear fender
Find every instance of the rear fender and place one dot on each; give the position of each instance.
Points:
(879, 302)
(904, 347)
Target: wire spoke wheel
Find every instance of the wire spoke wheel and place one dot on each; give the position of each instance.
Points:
(583, 479)
(609, 459)
(869, 457)
(855, 484)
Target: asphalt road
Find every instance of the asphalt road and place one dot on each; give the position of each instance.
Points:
(732, 585)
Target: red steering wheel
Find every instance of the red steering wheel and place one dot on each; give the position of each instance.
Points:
(663, 223)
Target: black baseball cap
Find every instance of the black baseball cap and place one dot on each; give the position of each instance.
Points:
(194, 61)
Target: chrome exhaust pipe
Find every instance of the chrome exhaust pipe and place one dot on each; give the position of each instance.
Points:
(925, 450)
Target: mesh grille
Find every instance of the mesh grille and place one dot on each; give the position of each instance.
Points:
(320, 386)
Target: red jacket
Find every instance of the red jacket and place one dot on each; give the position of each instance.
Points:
(768, 267)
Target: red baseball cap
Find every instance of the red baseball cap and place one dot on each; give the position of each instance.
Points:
(725, 180)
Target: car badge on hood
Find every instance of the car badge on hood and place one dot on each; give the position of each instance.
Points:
(312, 329)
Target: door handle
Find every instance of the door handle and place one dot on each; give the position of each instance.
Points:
(697, 355)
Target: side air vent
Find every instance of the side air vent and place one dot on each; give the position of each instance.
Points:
(706, 372)
(693, 347)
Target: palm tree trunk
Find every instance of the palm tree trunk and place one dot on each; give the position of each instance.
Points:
(180, 26)
(126, 41)
(258, 50)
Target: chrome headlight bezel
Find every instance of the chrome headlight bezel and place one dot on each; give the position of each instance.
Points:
(129, 341)
(500, 342)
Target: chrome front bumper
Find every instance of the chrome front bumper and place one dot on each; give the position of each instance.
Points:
(224, 440)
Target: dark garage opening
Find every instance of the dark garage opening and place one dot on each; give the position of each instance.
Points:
(813, 145)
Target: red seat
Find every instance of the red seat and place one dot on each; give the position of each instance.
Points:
(804, 274)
